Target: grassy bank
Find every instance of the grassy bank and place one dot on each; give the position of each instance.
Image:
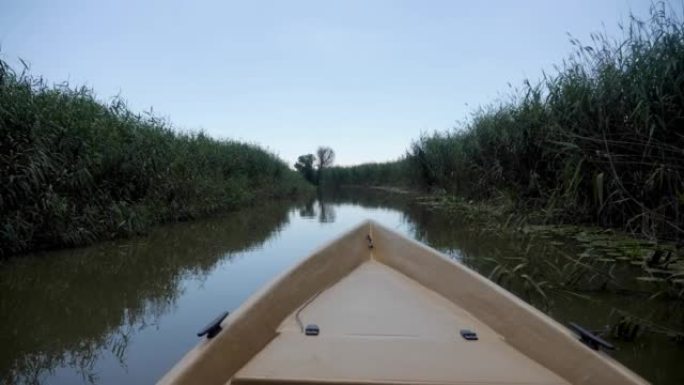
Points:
(74, 170)
(600, 141)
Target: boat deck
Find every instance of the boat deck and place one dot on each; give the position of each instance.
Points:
(378, 326)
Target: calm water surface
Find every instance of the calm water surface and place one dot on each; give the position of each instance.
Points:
(126, 311)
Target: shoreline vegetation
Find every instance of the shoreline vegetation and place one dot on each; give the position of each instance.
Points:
(599, 143)
(74, 170)
(585, 257)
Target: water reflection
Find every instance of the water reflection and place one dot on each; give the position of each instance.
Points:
(125, 311)
(318, 207)
(326, 212)
(308, 209)
(69, 308)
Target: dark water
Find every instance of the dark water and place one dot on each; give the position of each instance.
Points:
(126, 311)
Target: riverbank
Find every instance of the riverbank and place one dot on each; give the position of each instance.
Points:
(75, 170)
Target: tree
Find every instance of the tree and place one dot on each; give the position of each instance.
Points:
(305, 166)
(326, 157)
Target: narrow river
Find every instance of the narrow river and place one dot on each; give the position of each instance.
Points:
(125, 311)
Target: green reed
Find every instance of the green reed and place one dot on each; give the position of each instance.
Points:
(74, 170)
(600, 141)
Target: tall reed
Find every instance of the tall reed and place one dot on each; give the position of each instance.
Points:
(601, 140)
(74, 170)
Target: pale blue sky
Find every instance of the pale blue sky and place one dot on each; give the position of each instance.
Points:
(364, 77)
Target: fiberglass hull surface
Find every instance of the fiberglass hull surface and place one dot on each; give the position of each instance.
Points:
(391, 314)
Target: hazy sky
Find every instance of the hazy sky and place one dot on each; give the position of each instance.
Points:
(364, 77)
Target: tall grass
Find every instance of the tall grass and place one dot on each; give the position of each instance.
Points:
(601, 140)
(74, 170)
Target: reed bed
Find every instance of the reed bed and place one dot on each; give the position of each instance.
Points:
(74, 170)
(599, 141)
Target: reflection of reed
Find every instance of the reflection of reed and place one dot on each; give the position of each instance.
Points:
(65, 309)
(365, 197)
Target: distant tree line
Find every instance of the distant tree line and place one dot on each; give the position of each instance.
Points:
(399, 173)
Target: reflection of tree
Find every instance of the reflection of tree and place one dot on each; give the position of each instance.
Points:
(65, 309)
(326, 212)
(308, 210)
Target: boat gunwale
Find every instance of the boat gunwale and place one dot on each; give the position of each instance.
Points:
(624, 374)
(182, 371)
(189, 368)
